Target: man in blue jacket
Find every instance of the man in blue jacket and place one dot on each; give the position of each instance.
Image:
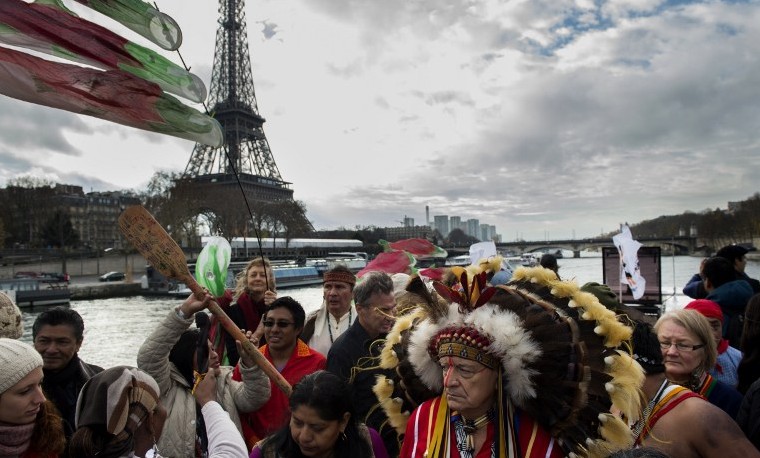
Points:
(732, 294)
(737, 256)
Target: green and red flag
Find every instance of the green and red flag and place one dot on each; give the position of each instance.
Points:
(112, 95)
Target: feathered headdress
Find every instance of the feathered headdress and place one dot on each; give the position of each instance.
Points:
(558, 348)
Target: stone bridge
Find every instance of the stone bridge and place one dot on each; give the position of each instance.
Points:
(677, 245)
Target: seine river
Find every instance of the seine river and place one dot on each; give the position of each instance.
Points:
(115, 328)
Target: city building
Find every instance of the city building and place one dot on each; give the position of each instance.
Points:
(441, 224)
(472, 228)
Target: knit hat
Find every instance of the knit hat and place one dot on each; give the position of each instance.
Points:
(11, 325)
(17, 360)
(708, 308)
(602, 292)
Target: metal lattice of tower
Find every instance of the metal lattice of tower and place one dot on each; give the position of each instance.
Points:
(233, 103)
(214, 177)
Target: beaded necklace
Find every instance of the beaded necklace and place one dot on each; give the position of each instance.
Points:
(639, 425)
(337, 323)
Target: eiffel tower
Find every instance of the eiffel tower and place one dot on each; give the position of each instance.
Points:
(209, 184)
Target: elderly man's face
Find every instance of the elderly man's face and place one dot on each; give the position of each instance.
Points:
(470, 387)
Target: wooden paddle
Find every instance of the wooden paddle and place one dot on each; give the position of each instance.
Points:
(157, 246)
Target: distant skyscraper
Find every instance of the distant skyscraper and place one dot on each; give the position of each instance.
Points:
(442, 224)
(486, 233)
(473, 228)
(408, 222)
(455, 222)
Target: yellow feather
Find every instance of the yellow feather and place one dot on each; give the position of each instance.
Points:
(628, 378)
(564, 289)
(388, 358)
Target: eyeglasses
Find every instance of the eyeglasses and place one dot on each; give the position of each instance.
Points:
(280, 324)
(680, 346)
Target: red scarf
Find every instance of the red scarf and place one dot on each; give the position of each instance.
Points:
(15, 439)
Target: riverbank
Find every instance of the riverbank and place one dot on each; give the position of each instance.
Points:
(88, 291)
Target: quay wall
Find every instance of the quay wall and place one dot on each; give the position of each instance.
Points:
(133, 265)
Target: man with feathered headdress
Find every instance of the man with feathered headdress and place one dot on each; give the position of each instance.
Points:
(526, 369)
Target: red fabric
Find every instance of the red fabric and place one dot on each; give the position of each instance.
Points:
(420, 424)
(252, 313)
(707, 308)
(275, 413)
(83, 38)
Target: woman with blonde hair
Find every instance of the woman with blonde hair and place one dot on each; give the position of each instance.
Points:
(689, 353)
(254, 291)
(30, 426)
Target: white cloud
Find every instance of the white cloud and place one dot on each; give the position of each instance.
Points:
(540, 116)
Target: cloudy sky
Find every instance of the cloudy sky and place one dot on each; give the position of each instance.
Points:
(547, 118)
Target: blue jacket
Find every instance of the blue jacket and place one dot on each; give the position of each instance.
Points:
(732, 297)
(694, 288)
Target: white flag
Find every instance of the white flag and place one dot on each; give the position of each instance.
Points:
(630, 273)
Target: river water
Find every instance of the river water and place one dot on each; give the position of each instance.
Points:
(115, 328)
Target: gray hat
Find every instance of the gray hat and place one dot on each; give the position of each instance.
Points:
(17, 360)
(11, 325)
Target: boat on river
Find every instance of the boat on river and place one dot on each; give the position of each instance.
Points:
(33, 292)
(286, 275)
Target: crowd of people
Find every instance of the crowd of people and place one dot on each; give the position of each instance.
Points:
(400, 366)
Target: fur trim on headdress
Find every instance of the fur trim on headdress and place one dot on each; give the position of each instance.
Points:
(557, 346)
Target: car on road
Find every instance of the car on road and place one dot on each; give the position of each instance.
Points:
(26, 274)
(112, 276)
(54, 277)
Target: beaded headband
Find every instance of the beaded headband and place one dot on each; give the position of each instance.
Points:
(465, 343)
(344, 277)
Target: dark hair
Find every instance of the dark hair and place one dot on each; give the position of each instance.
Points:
(749, 367)
(373, 282)
(57, 316)
(330, 396)
(719, 271)
(183, 352)
(287, 302)
(549, 261)
(646, 348)
(732, 252)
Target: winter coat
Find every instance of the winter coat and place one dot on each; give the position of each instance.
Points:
(178, 437)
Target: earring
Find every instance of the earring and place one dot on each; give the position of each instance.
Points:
(343, 436)
(154, 451)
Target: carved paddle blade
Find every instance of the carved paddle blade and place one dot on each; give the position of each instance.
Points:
(153, 242)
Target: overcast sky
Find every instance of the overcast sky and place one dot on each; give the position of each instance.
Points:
(547, 118)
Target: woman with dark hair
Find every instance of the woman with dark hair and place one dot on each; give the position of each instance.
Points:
(30, 426)
(322, 423)
(168, 355)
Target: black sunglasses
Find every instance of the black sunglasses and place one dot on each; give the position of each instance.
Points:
(280, 324)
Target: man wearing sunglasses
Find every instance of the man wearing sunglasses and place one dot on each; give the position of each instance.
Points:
(283, 322)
